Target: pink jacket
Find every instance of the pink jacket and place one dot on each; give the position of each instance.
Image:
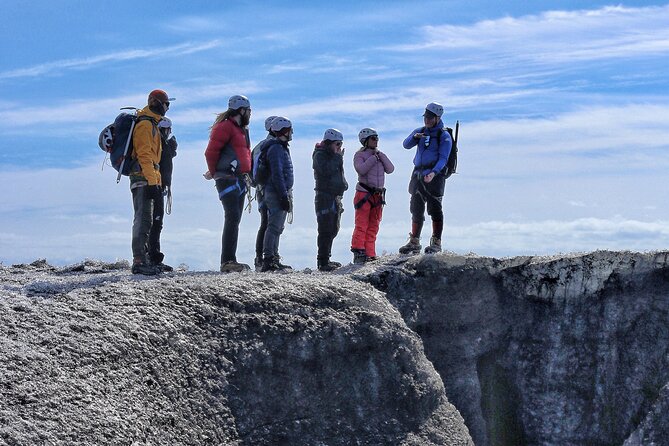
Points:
(371, 167)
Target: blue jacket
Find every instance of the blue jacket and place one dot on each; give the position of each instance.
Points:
(281, 168)
(432, 158)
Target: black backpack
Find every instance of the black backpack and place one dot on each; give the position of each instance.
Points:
(116, 140)
(452, 163)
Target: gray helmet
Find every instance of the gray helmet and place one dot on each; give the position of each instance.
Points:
(333, 135)
(268, 122)
(366, 133)
(436, 108)
(238, 101)
(165, 123)
(279, 123)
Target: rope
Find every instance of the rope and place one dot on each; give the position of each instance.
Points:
(289, 217)
(168, 204)
(249, 197)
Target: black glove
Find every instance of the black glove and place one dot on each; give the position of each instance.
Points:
(285, 204)
(155, 192)
(172, 144)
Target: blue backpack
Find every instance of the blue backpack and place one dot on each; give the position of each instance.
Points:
(116, 140)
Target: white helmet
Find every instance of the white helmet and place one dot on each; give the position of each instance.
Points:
(333, 135)
(268, 122)
(279, 123)
(165, 123)
(106, 139)
(435, 108)
(238, 101)
(366, 133)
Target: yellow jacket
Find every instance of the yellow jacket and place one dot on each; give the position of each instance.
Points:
(147, 147)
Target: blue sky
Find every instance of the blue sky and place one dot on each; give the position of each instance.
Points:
(563, 107)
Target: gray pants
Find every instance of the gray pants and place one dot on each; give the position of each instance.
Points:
(276, 222)
(142, 203)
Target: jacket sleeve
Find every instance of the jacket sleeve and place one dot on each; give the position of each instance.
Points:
(444, 150)
(410, 141)
(142, 139)
(217, 140)
(320, 165)
(388, 166)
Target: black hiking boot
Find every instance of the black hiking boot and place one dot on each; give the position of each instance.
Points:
(232, 266)
(271, 264)
(163, 268)
(144, 268)
(327, 265)
(359, 256)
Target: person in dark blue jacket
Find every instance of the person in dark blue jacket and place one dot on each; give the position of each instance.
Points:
(433, 146)
(255, 154)
(278, 191)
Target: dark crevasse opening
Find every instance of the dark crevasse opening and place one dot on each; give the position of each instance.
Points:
(499, 403)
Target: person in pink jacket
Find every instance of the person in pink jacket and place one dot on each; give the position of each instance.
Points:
(371, 165)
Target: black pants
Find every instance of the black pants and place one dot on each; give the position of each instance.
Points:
(231, 194)
(156, 228)
(143, 203)
(260, 238)
(327, 217)
(426, 195)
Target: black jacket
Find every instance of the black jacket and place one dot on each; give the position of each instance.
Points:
(329, 171)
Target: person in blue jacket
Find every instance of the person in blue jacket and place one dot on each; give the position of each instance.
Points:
(278, 191)
(255, 154)
(433, 145)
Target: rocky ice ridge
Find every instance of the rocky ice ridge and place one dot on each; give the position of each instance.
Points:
(562, 350)
(91, 355)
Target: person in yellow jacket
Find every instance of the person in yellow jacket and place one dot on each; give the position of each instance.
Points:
(145, 181)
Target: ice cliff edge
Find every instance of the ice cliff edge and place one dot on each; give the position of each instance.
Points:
(563, 350)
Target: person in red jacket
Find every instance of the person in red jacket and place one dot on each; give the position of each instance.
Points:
(228, 156)
(371, 165)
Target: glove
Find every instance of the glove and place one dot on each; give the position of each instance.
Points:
(155, 191)
(285, 204)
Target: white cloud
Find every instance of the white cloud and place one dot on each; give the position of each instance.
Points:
(89, 62)
(555, 37)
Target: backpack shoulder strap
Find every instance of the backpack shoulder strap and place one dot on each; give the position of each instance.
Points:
(150, 119)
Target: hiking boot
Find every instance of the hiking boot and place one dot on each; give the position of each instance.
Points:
(435, 246)
(144, 268)
(271, 264)
(257, 263)
(231, 266)
(326, 265)
(163, 268)
(359, 256)
(412, 246)
(281, 265)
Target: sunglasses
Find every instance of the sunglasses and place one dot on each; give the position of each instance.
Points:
(167, 104)
(374, 137)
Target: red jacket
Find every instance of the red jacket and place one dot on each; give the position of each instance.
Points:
(228, 141)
